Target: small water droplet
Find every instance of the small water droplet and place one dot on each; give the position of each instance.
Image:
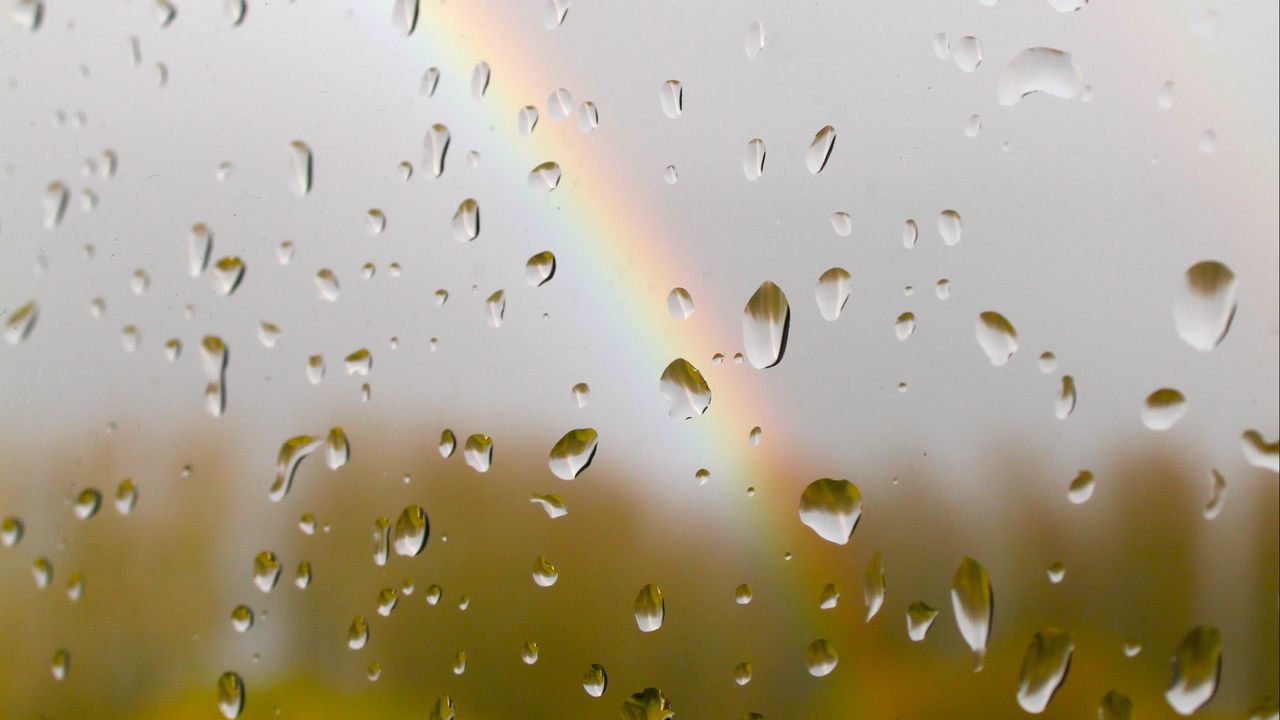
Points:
(920, 618)
(1081, 488)
(544, 178)
(581, 394)
(685, 390)
(831, 508)
(672, 98)
(1039, 70)
(973, 126)
(1066, 402)
(301, 159)
(1208, 142)
(28, 14)
(242, 618)
(742, 594)
(494, 308)
(671, 175)
(742, 673)
(829, 598)
(327, 285)
(832, 292)
(841, 223)
(227, 274)
(1203, 311)
(650, 608)
(358, 633)
(905, 325)
(1115, 705)
(820, 658)
(430, 79)
(11, 529)
(19, 323)
(231, 695)
(997, 337)
(126, 497)
(554, 12)
(1165, 95)
(679, 304)
(966, 52)
(236, 10)
(87, 503)
(480, 80)
(1056, 572)
(478, 452)
(359, 362)
(559, 104)
(588, 117)
(266, 570)
(949, 227)
(466, 221)
(447, 443)
(754, 42)
(815, 158)
(753, 160)
(411, 531)
(404, 16)
(544, 573)
(1163, 409)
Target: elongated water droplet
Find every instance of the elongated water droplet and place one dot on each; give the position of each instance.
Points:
(527, 119)
(480, 80)
(436, 144)
(1260, 453)
(685, 390)
(358, 633)
(1203, 312)
(815, 158)
(949, 227)
(832, 292)
(55, 204)
(588, 117)
(199, 248)
(126, 497)
(910, 234)
(291, 454)
(1264, 708)
(327, 285)
(905, 325)
(753, 160)
(494, 308)
(301, 159)
(230, 695)
(1044, 668)
(997, 337)
(831, 508)
(544, 178)
(266, 570)
(1197, 665)
(11, 529)
(430, 79)
(648, 704)
(595, 680)
(1066, 403)
(650, 608)
(581, 394)
(766, 320)
(672, 98)
(28, 14)
(447, 443)
(1163, 409)
(411, 531)
(554, 12)
(973, 126)
(42, 572)
(573, 453)
(466, 221)
(404, 16)
(966, 52)
(478, 452)
(829, 598)
(302, 576)
(754, 42)
(1217, 495)
(236, 10)
(873, 586)
(1039, 70)
(972, 601)
(552, 504)
(17, 327)
(920, 618)
(820, 658)
(1081, 488)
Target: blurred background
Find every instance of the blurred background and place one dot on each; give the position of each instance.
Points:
(1147, 143)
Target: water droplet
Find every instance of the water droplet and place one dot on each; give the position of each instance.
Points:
(742, 673)
(685, 390)
(230, 695)
(236, 10)
(905, 325)
(553, 505)
(1056, 572)
(972, 601)
(820, 658)
(829, 598)
(1039, 70)
(227, 273)
(529, 653)
(1208, 142)
(87, 503)
(1048, 362)
(544, 573)
(588, 117)
(404, 16)
(754, 42)
(910, 234)
(920, 618)
(42, 571)
(494, 307)
(650, 608)
(1203, 312)
(1264, 708)
(55, 204)
(126, 497)
(753, 160)
(1044, 668)
(11, 531)
(242, 618)
(573, 453)
(1166, 95)
(672, 98)
(753, 437)
(581, 394)
(480, 80)
(942, 46)
(831, 508)
(1197, 665)
(841, 223)
(998, 338)
(1081, 488)
(358, 633)
(447, 443)
(315, 369)
(411, 531)
(1163, 409)
(973, 126)
(1066, 402)
(544, 178)
(1132, 647)
(430, 79)
(28, 14)
(433, 594)
(327, 285)
(649, 704)
(17, 327)
(291, 454)
(966, 52)
(466, 221)
(1260, 453)
(284, 252)
(815, 158)
(266, 570)
(301, 159)
(302, 577)
(766, 320)
(949, 227)
(679, 304)
(559, 104)
(359, 362)
(671, 175)
(1115, 705)
(832, 292)
(742, 594)
(478, 452)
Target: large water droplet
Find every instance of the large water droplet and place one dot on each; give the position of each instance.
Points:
(301, 159)
(1081, 488)
(998, 338)
(650, 608)
(466, 221)
(1039, 70)
(832, 292)
(905, 325)
(11, 529)
(1163, 409)
(572, 454)
(478, 452)
(1044, 668)
(227, 273)
(766, 320)
(966, 52)
(291, 454)
(595, 680)
(447, 443)
(753, 160)
(87, 503)
(544, 178)
(831, 508)
(1203, 312)
(820, 658)
(1197, 665)
(242, 618)
(411, 531)
(552, 504)
(815, 158)
(950, 227)
(230, 695)
(327, 285)
(672, 98)
(544, 573)
(404, 16)
(685, 390)
(679, 304)
(972, 601)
